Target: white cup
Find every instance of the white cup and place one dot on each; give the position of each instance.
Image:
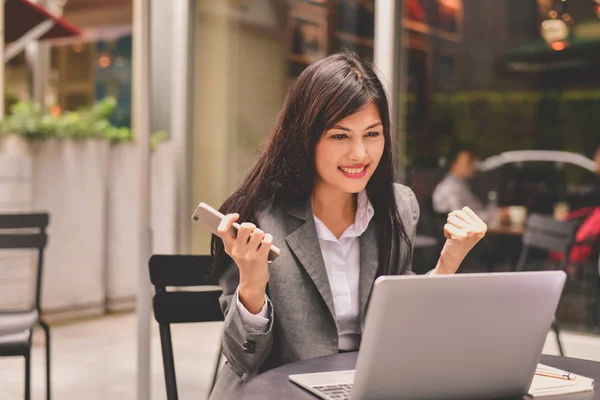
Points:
(561, 210)
(517, 214)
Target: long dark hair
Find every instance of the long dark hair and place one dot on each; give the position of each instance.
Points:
(324, 94)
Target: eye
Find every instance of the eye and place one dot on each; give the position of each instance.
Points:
(372, 134)
(339, 136)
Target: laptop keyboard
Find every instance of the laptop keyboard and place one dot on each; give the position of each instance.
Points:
(335, 392)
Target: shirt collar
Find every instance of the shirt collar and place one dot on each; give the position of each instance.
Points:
(456, 179)
(364, 214)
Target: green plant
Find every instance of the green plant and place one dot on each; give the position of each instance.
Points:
(28, 120)
(158, 137)
(499, 121)
(9, 100)
(33, 122)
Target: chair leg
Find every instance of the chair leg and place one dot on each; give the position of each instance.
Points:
(217, 368)
(28, 375)
(168, 361)
(46, 328)
(558, 342)
(522, 258)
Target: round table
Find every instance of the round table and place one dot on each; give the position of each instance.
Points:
(274, 384)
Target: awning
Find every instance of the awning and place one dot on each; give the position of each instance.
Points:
(25, 22)
(21, 16)
(580, 60)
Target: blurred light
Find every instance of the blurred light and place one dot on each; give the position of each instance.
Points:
(597, 7)
(553, 14)
(55, 110)
(104, 60)
(77, 48)
(555, 32)
(566, 17)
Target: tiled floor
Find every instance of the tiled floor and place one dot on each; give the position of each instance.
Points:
(96, 359)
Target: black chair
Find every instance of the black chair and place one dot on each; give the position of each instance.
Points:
(545, 233)
(171, 307)
(25, 231)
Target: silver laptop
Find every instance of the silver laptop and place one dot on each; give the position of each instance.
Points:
(465, 336)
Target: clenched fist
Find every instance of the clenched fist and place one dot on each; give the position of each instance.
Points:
(463, 230)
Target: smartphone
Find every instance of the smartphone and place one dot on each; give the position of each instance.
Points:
(210, 219)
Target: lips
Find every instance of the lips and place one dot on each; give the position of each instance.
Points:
(354, 172)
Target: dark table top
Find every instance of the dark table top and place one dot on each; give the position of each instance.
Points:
(274, 384)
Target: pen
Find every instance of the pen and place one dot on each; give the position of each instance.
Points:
(568, 376)
(554, 372)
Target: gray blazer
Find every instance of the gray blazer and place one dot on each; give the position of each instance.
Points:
(302, 316)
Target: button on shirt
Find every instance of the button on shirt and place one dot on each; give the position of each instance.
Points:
(342, 263)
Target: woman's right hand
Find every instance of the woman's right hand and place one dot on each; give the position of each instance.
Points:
(250, 251)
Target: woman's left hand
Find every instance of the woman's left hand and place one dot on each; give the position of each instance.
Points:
(463, 230)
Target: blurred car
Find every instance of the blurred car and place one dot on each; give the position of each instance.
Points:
(538, 179)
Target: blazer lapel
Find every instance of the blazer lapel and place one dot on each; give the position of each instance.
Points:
(368, 267)
(304, 243)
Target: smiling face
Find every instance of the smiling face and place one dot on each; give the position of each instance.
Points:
(347, 155)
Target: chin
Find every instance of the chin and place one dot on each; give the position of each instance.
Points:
(353, 187)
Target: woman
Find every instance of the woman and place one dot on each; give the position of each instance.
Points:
(323, 189)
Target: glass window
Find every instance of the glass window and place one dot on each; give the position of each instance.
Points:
(501, 76)
(246, 54)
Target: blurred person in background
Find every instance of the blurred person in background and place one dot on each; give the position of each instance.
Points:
(454, 192)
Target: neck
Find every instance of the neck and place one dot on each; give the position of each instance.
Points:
(332, 204)
(456, 175)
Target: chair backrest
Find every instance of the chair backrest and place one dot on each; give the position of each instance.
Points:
(545, 233)
(26, 231)
(23, 231)
(184, 306)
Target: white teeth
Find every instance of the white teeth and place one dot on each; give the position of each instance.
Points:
(352, 170)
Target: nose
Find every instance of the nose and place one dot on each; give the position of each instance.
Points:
(357, 151)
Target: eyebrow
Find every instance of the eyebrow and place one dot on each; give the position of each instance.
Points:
(343, 128)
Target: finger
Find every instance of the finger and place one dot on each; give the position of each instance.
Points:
(244, 232)
(265, 246)
(472, 214)
(452, 232)
(460, 214)
(459, 223)
(255, 239)
(224, 229)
